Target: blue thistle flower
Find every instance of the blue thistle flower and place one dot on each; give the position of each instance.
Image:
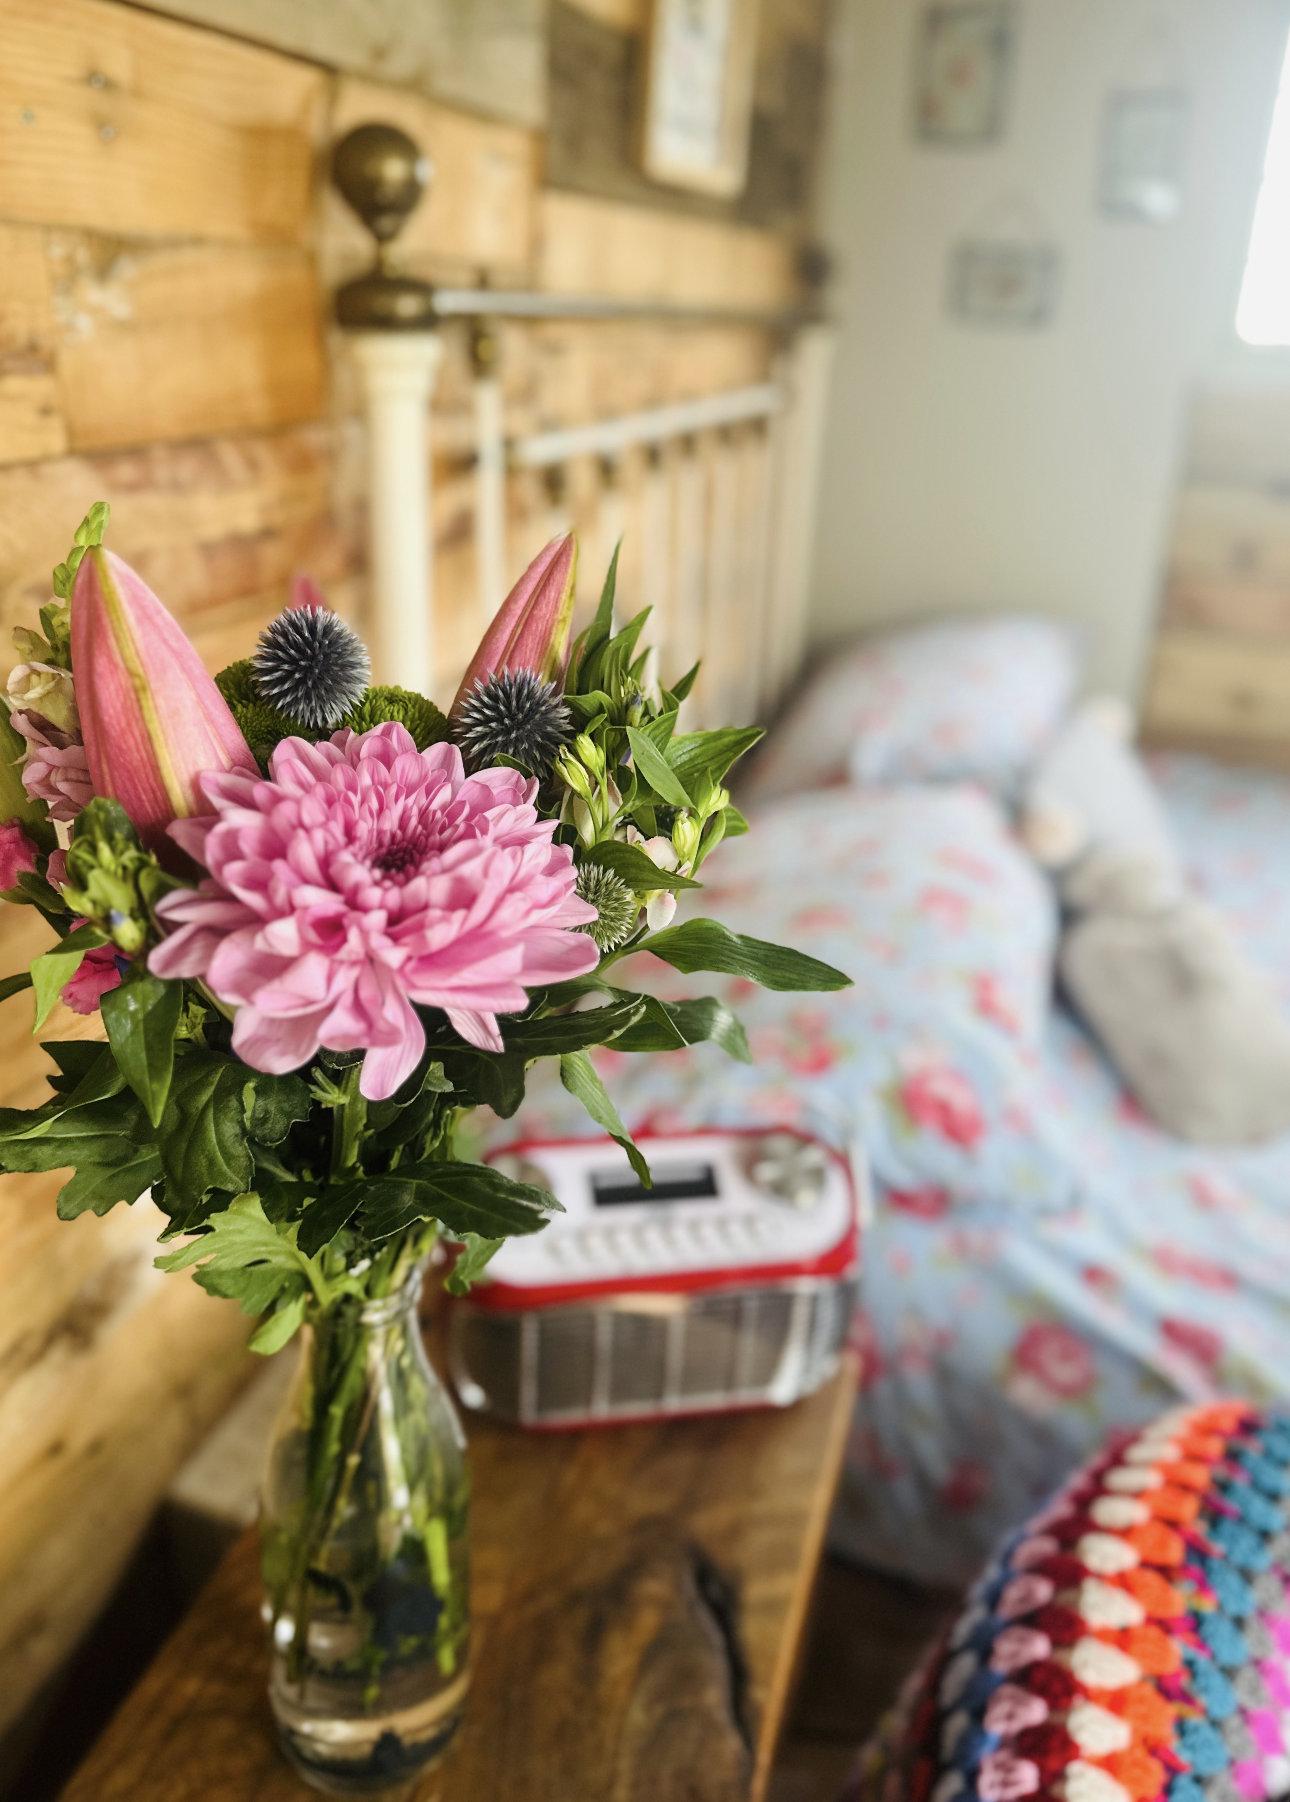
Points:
(615, 904)
(311, 666)
(516, 714)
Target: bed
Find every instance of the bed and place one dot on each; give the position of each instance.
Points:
(1042, 1262)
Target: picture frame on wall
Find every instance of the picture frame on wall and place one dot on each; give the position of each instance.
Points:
(963, 79)
(1004, 283)
(1144, 147)
(696, 122)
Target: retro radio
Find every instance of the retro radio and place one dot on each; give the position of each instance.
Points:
(729, 1284)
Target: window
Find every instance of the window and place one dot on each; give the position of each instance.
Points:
(1263, 314)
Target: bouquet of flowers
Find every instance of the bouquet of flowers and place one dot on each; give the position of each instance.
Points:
(322, 921)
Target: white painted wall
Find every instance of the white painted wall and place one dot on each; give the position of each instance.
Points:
(970, 469)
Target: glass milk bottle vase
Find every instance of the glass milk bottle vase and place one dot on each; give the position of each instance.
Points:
(365, 1552)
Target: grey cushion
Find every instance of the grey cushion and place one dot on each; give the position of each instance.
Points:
(1191, 1024)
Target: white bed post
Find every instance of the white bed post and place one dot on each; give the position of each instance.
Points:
(797, 444)
(389, 322)
(490, 467)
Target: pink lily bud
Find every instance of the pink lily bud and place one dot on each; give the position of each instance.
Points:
(531, 627)
(151, 717)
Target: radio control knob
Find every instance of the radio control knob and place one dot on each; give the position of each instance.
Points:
(790, 1170)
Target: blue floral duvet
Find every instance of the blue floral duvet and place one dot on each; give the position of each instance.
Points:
(1042, 1263)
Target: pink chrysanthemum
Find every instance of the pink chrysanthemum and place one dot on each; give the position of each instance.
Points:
(363, 876)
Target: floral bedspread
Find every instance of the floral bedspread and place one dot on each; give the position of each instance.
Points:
(1043, 1263)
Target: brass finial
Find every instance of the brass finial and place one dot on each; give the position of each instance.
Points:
(382, 174)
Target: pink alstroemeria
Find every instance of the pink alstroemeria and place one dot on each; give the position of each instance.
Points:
(531, 627)
(17, 854)
(152, 719)
(362, 877)
(98, 972)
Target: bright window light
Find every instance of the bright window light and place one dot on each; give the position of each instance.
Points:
(1263, 314)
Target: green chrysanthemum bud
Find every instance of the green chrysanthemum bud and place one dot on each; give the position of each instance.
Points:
(615, 904)
(422, 718)
(111, 879)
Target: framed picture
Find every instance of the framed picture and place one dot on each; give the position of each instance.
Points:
(1004, 283)
(1144, 143)
(698, 93)
(964, 70)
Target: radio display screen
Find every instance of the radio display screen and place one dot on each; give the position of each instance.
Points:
(672, 1182)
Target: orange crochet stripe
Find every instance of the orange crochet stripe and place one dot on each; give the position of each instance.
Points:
(1155, 1543)
(1156, 1593)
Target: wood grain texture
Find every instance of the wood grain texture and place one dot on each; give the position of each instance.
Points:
(114, 119)
(183, 341)
(639, 1600)
(489, 55)
(31, 419)
(591, 246)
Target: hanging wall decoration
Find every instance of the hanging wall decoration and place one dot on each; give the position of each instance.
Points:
(1144, 134)
(698, 93)
(1006, 272)
(965, 60)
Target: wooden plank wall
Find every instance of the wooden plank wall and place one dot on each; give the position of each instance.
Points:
(1220, 673)
(169, 247)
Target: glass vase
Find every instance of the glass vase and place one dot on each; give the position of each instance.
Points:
(365, 1553)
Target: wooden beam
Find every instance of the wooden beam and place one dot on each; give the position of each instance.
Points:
(489, 55)
(31, 423)
(186, 341)
(592, 246)
(112, 116)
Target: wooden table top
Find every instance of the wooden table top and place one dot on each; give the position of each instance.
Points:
(639, 1595)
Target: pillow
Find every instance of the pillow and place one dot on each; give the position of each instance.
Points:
(967, 700)
(1090, 792)
(1128, 1643)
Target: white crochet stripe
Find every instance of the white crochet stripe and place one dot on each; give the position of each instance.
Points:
(1096, 1731)
(1107, 1606)
(1116, 1512)
(1099, 1666)
(967, 1623)
(948, 1785)
(1088, 1783)
(1105, 1555)
(952, 1731)
(1152, 1451)
(956, 1676)
(1130, 1479)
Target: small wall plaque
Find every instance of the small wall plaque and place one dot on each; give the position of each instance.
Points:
(1007, 284)
(1144, 142)
(964, 70)
(698, 93)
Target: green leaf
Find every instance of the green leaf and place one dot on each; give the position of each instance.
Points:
(733, 823)
(57, 1135)
(243, 1256)
(14, 985)
(572, 1032)
(463, 1198)
(707, 945)
(94, 1077)
(680, 691)
(670, 1025)
(696, 755)
(89, 532)
(273, 1104)
(496, 1080)
(53, 968)
(276, 1329)
(637, 870)
(203, 1138)
(579, 1076)
(470, 1263)
(332, 1208)
(142, 1017)
(656, 770)
(97, 1188)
